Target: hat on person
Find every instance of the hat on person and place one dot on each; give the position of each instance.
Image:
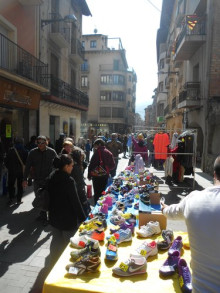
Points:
(42, 137)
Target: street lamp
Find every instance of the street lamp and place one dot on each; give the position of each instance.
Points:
(68, 18)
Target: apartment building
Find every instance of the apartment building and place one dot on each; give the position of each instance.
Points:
(190, 31)
(40, 67)
(110, 84)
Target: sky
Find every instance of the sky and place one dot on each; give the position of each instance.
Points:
(136, 23)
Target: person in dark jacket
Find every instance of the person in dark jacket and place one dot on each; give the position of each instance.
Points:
(99, 183)
(40, 163)
(77, 172)
(65, 209)
(116, 148)
(14, 162)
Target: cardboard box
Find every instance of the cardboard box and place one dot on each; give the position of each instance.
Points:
(144, 218)
(155, 198)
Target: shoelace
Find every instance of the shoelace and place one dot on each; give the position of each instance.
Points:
(186, 275)
(176, 245)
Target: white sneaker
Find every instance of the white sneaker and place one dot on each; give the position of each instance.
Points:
(146, 249)
(150, 229)
(81, 241)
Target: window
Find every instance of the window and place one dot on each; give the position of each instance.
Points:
(84, 81)
(129, 78)
(117, 113)
(160, 87)
(93, 44)
(85, 66)
(118, 79)
(105, 112)
(160, 110)
(106, 96)
(83, 44)
(161, 65)
(116, 65)
(118, 96)
(106, 79)
(129, 91)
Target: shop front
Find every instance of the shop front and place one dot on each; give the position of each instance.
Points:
(18, 111)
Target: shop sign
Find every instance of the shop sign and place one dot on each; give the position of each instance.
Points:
(18, 95)
(8, 131)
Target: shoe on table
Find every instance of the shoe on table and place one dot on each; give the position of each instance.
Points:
(135, 265)
(146, 249)
(80, 241)
(92, 248)
(86, 264)
(150, 229)
(122, 236)
(170, 265)
(112, 249)
(94, 234)
(117, 220)
(167, 240)
(185, 279)
(93, 225)
(176, 245)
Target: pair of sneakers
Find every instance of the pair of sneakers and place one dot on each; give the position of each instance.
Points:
(174, 263)
(92, 248)
(135, 265)
(87, 263)
(150, 229)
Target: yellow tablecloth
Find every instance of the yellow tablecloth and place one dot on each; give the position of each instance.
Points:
(104, 281)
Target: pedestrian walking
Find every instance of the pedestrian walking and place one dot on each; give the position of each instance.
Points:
(104, 157)
(65, 209)
(116, 148)
(40, 161)
(15, 162)
(88, 150)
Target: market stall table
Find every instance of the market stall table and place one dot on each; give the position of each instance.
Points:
(58, 281)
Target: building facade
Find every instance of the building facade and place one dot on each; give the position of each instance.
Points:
(40, 68)
(190, 31)
(111, 86)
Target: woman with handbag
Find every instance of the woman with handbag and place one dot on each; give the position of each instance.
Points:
(101, 163)
(65, 209)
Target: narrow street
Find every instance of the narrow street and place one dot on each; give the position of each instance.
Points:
(25, 243)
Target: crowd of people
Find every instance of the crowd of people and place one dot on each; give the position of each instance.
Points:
(61, 170)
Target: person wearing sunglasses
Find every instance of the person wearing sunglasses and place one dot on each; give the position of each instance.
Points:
(40, 161)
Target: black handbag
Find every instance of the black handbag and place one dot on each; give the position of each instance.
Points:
(41, 200)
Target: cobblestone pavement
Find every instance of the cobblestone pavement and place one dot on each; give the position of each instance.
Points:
(25, 243)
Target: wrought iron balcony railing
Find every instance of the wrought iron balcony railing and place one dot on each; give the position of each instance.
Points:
(66, 93)
(16, 60)
(198, 29)
(60, 27)
(191, 91)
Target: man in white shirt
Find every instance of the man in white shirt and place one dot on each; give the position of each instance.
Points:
(201, 211)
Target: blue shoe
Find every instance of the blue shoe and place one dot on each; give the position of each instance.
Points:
(122, 235)
(112, 249)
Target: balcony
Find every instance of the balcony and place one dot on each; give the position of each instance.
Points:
(189, 97)
(111, 67)
(190, 40)
(77, 51)
(20, 66)
(60, 32)
(63, 94)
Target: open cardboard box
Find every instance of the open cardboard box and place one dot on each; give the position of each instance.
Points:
(144, 218)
